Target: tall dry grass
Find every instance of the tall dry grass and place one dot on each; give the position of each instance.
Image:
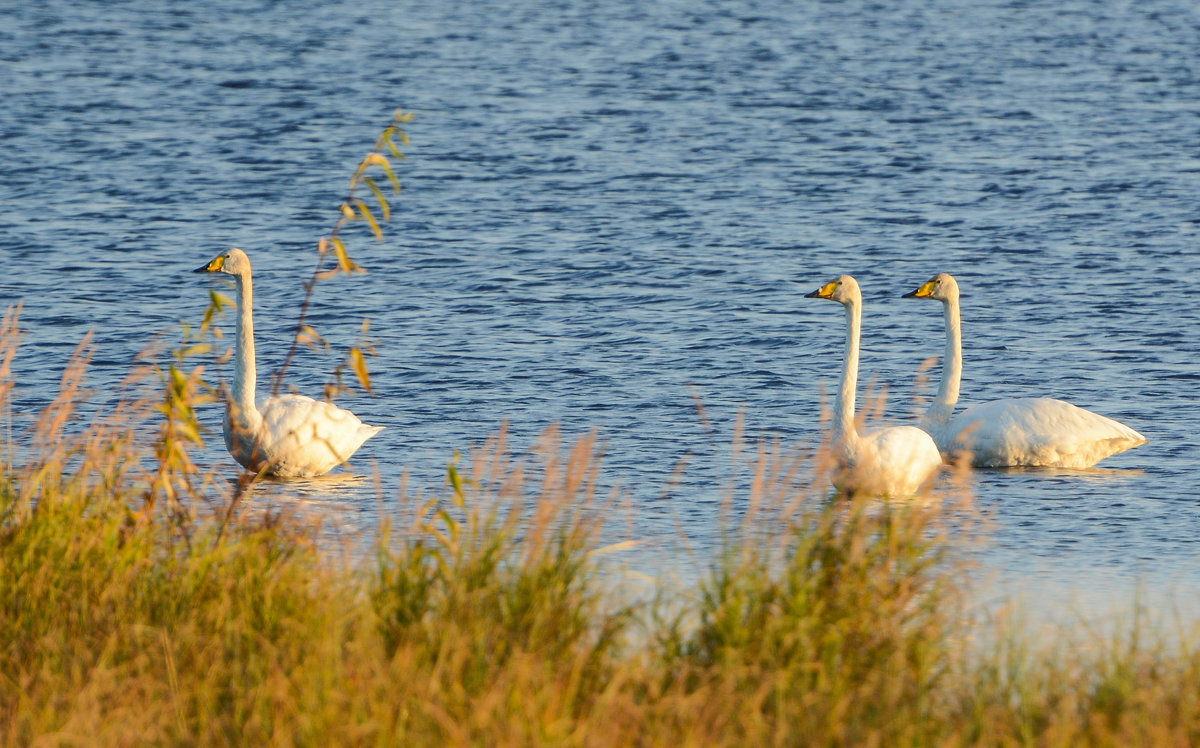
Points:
(139, 606)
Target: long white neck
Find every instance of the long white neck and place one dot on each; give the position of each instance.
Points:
(942, 406)
(843, 410)
(245, 374)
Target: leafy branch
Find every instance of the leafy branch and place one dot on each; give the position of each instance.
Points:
(184, 389)
(333, 249)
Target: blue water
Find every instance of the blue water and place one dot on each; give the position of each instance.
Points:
(611, 213)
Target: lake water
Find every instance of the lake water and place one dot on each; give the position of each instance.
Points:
(612, 210)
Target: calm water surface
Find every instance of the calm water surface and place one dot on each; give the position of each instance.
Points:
(613, 209)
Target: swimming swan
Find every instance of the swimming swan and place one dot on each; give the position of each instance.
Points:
(1036, 431)
(291, 436)
(894, 461)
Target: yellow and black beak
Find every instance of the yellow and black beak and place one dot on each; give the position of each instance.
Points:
(824, 292)
(212, 267)
(924, 292)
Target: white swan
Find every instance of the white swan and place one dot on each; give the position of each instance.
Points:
(290, 436)
(1037, 431)
(894, 461)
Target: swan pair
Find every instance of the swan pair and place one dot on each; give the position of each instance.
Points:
(901, 460)
(289, 436)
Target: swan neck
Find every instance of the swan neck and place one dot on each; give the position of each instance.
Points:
(942, 406)
(843, 414)
(245, 374)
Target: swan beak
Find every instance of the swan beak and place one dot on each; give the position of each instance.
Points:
(824, 292)
(212, 267)
(923, 292)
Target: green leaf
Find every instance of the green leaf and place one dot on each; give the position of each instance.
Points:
(455, 483)
(366, 212)
(359, 363)
(376, 159)
(383, 203)
(178, 379)
(392, 147)
(310, 337)
(344, 261)
(392, 177)
(195, 350)
(220, 300)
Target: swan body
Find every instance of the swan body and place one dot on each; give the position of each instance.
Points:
(1030, 432)
(895, 461)
(289, 436)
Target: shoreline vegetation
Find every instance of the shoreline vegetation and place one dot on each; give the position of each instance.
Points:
(141, 602)
(146, 601)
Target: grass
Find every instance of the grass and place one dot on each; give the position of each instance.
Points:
(141, 603)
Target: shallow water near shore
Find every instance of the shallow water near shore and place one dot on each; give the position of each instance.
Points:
(611, 214)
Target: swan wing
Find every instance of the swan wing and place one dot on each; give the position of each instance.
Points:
(305, 437)
(898, 461)
(1037, 432)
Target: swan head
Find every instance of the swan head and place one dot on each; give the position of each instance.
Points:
(942, 287)
(843, 290)
(233, 262)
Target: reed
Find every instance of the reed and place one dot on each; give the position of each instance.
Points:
(137, 606)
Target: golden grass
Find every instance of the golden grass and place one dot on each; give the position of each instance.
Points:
(138, 606)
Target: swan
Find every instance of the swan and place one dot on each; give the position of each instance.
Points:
(894, 461)
(290, 436)
(1035, 431)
